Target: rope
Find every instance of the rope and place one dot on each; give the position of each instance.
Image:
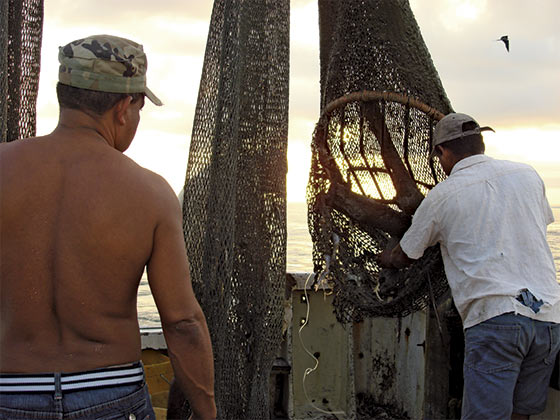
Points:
(308, 371)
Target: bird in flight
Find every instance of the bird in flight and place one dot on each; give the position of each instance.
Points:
(505, 40)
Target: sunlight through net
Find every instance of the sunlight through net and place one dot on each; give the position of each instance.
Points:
(381, 98)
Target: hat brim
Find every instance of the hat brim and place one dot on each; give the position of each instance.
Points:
(155, 100)
(486, 128)
(432, 154)
(465, 134)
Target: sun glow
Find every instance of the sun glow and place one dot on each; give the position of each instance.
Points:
(455, 13)
(175, 45)
(538, 147)
(299, 161)
(525, 143)
(468, 10)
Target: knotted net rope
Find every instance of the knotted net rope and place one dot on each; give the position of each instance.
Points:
(21, 29)
(381, 98)
(234, 208)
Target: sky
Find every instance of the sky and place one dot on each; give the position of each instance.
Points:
(517, 93)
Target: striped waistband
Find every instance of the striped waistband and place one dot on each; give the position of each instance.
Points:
(75, 381)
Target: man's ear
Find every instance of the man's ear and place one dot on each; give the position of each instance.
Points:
(120, 109)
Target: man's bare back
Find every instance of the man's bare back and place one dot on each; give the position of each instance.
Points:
(78, 221)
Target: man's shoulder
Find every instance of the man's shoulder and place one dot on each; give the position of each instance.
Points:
(152, 183)
(509, 164)
(16, 145)
(158, 184)
(517, 172)
(479, 168)
(19, 154)
(504, 166)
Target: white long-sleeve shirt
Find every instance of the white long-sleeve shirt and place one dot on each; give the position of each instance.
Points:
(490, 218)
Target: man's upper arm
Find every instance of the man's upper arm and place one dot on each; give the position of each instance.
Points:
(548, 215)
(422, 232)
(168, 269)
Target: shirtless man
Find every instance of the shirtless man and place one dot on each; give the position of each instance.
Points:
(79, 221)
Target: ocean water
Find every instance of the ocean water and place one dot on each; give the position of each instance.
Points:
(299, 257)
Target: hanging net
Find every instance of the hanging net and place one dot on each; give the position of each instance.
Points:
(381, 98)
(21, 28)
(235, 197)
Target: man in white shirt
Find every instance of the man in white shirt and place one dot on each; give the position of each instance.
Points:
(490, 218)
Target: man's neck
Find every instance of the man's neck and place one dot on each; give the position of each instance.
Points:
(78, 124)
(454, 169)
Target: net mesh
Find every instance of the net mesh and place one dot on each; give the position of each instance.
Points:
(235, 197)
(21, 28)
(381, 98)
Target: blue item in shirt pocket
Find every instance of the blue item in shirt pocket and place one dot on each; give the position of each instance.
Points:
(528, 299)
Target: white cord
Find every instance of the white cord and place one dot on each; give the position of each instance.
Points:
(308, 371)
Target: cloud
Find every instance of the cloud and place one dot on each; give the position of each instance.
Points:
(476, 71)
(169, 27)
(522, 86)
(304, 22)
(114, 13)
(304, 98)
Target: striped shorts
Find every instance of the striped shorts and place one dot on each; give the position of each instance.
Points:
(99, 393)
(48, 382)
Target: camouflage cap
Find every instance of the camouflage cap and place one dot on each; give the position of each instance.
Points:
(105, 63)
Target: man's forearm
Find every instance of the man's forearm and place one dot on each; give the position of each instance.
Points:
(190, 351)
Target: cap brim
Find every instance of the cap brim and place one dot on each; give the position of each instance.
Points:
(155, 100)
(432, 154)
(480, 129)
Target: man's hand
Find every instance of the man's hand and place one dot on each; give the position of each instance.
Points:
(384, 259)
(393, 256)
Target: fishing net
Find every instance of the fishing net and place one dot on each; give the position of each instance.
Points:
(381, 98)
(235, 197)
(21, 29)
